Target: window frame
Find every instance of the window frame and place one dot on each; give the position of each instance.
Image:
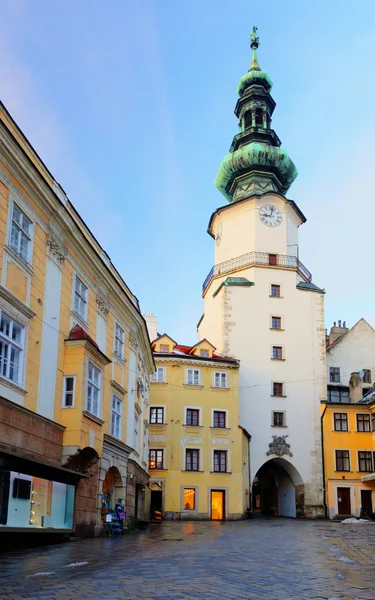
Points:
(342, 458)
(278, 287)
(274, 422)
(157, 461)
(368, 461)
(339, 392)
(136, 433)
(193, 371)
(78, 295)
(366, 376)
(29, 235)
(190, 452)
(18, 346)
(189, 510)
(119, 341)
(157, 408)
(275, 395)
(221, 374)
(165, 348)
(338, 418)
(219, 453)
(99, 387)
(118, 416)
(191, 411)
(365, 420)
(156, 379)
(216, 411)
(277, 348)
(273, 321)
(333, 372)
(73, 392)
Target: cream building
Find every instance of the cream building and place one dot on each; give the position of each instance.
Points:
(261, 306)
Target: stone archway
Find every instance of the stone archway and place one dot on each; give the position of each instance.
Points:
(113, 488)
(278, 489)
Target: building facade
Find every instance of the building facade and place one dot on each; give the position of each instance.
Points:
(198, 454)
(75, 360)
(348, 421)
(261, 306)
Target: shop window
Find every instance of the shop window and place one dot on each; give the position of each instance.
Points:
(340, 421)
(363, 422)
(93, 389)
(68, 391)
(21, 231)
(189, 498)
(11, 348)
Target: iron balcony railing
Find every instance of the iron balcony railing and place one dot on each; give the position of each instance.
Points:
(257, 258)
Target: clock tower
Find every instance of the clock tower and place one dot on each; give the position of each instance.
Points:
(261, 306)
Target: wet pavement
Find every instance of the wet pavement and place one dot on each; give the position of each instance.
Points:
(276, 559)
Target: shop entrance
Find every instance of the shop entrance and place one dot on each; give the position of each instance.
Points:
(113, 489)
(343, 501)
(366, 501)
(217, 505)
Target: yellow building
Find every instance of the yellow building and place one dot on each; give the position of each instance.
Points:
(75, 360)
(349, 454)
(198, 454)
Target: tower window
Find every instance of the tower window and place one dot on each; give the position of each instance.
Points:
(258, 118)
(277, 352)
(247, 119)
(277, 389)
(272, 259)
(276, 323)
(278, 419)
(275, 291)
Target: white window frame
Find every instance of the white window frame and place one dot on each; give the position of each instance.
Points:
(119, 341)
(200, 463)
(221, 374)
(11, 343)
(136, 433)
(118, 418)
(164, 455)
(156, 378)
(223, 410)
(29, 235)
(199, 409)
(84, 298)
(73, 392)
(273, 316)
(155, 407)
(97, 386)
(283, 412)
(193, 378)
(227, 460)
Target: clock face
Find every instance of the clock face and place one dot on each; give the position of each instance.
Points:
(219, 234)
(270, 216)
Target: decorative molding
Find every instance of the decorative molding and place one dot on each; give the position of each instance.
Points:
(182, 362)
(102, 304)
(118, 387)
(190, 439)
(92, 417)
(21, 262)
(16, 305)
(137, 407)
(133, 342)
(56, 249)
(221, 441)
(279, 446)
(157, 438)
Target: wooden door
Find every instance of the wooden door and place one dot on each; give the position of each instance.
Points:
(343, 501)
(217, 505)
(366, 501)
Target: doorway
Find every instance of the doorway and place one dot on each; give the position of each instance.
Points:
(217, 505)
(343, 501)
(366, 502)
(156, 501)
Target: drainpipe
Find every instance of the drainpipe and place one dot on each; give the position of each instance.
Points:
(250, 482)
(323, 470)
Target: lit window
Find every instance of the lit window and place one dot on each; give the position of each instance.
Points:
(276, 323)
(275, 291)
(156, 415)
(116, 417)
(277, 389)
(164, 348)
(11, 348)
(192, 416)
(334, 374)
(93, 389)
(277, 352)
(155, 459)
(278, 419)
(68, 391)
(220, 418)
(80, 298)
(158, 376)
(220, 379)
(20, 237)
(119, 341)
(220, 461)
(340, 421)
(189, 498)
(193, 376)
(363, 422)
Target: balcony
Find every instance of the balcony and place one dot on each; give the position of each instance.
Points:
(263, 259)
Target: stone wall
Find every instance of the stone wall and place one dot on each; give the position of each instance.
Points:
(135, 475)
(85, 513)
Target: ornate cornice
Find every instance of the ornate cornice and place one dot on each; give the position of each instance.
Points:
(133, 342)
(56, 249)
(102, 304)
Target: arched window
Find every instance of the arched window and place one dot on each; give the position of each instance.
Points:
(258, 118)
(247, 119)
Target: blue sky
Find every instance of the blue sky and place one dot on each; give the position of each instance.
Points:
(130, 104)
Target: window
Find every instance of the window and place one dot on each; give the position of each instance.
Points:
(155, 459)
(136, 431)
(80, 298)
(338, 394)
(247, 119)
(189, 498)
(278, 419)
(277, 389)
(204, 353)
(365, 461)
(220, 418)
(373, 422)
(159, 375)
(220, 380)
(220, 461)
(277, 352)
(192, 416)
(363, 422)
(156, 415)
(68, 391)
(334, 374)
(93, 389)
(164, 348)
(11, 348)
(272, 259)
(340, 421)
(342, 460)
(276, 323)
(366, 376)
(192, 460)
(275, 291)
(119, 341)
(193, 376)
(20, 237)
(116, 416)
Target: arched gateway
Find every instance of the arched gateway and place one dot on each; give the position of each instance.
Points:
(278, 489)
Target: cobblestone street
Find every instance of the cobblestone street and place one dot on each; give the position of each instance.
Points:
(258, 559)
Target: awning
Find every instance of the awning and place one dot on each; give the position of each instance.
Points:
(37, 468)
(370, 477)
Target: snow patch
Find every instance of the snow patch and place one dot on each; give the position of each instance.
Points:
(346, 560)
(353, 520)
(78, 564)
(42, 574)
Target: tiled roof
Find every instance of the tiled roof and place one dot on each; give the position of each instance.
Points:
(241, 281)
(78, 333)
(304, 285)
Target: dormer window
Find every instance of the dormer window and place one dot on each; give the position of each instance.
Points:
(164, 348)
(204, 353)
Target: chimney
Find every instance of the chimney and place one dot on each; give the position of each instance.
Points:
(152, 325)
(355, 388)
(337, 331)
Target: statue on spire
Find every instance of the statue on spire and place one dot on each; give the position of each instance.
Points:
(254, 39)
